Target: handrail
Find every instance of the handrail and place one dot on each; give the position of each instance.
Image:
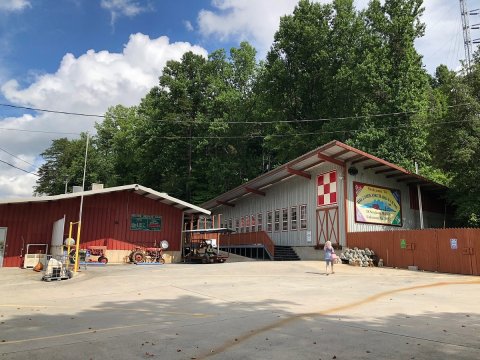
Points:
(250, 238)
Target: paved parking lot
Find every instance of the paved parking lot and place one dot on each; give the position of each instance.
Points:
(251, 310)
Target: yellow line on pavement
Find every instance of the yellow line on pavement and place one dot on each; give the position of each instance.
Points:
(239, 339)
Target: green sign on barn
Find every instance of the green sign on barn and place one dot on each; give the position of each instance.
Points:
(145, 222)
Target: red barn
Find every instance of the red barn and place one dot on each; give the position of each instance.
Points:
(120, 218)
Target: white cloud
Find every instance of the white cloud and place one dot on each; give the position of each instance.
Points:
(14, 5)
(257, 21)
(117, 8)
(252, 20)
(188, 25)
(88, 84)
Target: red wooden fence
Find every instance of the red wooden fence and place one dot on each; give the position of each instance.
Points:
(455, 251)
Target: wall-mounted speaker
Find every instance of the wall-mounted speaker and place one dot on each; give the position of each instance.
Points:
(352, 170)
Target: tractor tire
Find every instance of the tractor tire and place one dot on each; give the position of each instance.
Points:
(103, 260)
(138, 257)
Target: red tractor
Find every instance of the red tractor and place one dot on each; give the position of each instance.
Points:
(149, 254)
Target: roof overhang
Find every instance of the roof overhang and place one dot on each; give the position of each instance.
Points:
(135, 188)
(334, 152)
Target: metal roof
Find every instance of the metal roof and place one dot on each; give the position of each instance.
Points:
(334, 152)
(137, 189)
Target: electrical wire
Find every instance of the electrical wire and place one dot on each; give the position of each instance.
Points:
(16, 157)
(52, 111)
(301, 134)
(16, 167)
(244, 122)
(41, 131)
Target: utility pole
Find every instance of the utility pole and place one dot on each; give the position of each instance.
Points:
(467, 39)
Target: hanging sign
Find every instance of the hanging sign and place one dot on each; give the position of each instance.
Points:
(145, 222)
(377, 205)
(453, 244)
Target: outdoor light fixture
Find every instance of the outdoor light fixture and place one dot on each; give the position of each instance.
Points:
(352, 170)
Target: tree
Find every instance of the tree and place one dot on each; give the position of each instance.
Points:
(117, 145)
(455, 141)
(192, 119)
(64, 162)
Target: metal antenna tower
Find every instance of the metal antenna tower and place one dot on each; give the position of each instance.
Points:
(467, 40)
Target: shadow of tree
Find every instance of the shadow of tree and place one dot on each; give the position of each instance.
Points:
(150, 321)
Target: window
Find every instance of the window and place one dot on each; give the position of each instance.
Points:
(284, 219)
(293, 218)
(259, 222)
(247, 223)
(303, 217)
(277, 220)
(242, 224)
(252, 223)
(269, 221)
(230, 223)
(237, 225)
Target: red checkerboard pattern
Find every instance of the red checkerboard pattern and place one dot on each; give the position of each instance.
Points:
(327, 188)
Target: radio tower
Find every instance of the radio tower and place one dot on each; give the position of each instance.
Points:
(467, 40)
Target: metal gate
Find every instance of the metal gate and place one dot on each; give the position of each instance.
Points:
(327, 225)
(3, 241)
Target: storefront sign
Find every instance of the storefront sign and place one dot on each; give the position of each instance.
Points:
(146, 222)
(377, 205)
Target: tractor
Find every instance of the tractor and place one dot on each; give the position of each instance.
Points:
(149, 254)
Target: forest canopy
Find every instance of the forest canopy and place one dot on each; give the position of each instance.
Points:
(332, 72)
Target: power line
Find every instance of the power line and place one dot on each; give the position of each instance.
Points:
(28, 172)
(300, 134)
(41, 131)
(9, 153)
(353, 117)
(52, 111)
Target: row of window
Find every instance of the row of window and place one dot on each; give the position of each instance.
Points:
(292, 218)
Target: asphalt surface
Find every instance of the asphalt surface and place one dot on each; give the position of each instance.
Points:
(250, 310)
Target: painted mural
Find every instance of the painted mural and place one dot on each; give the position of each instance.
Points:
(377, 205)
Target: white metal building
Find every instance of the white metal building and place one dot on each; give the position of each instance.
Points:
(328, 192)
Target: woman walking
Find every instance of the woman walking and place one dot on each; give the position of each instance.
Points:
(329, 252)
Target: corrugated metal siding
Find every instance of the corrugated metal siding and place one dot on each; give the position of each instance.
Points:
(410, 217)
(106, 221)
(293, 191)
(430, 249)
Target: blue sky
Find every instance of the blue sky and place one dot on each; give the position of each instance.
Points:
(87, 55)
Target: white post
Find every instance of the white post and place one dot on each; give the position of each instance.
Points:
(77, 248)
(419, 195)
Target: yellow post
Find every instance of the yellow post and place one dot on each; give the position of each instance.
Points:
(77, 247)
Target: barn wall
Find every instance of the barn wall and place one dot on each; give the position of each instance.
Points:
(297, 190)
(106, 221)
(294, 191)
(410, 217)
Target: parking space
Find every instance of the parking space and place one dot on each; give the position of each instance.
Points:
(250, 310)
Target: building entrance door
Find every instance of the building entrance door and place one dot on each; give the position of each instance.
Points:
(3, 240)
(327, 225)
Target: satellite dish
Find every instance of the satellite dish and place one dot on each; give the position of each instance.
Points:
(164, 244)
(352, 170)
